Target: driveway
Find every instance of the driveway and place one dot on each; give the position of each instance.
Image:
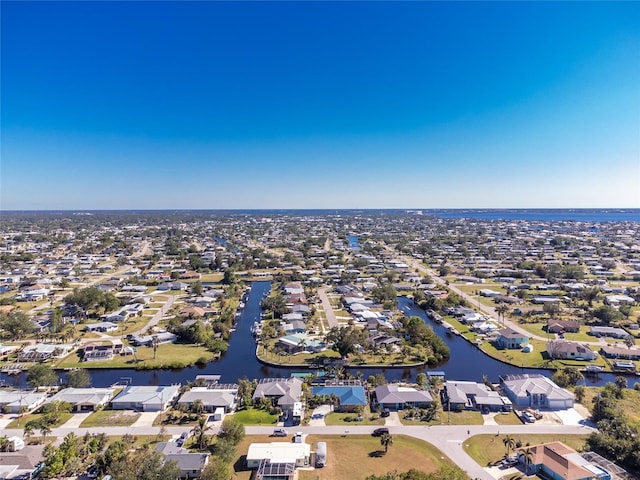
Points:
(317, 416)
(76, 420)
(146, 419)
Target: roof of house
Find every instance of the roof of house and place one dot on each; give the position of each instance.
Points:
(396, 394)
(291, 388)
(563, 460)
(278, 452)
(510, 333)
(188, 461)
(209, 397)
(529, 384)
(147, 394)
(347, 394)
(94, 396)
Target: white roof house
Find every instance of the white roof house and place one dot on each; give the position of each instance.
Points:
(212, 398)
(147, 399)
(279, 452)
(84, 399)
(14, 401)
(537, 391)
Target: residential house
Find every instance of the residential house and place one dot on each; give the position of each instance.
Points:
(618, 352)
(396, 397)
(43, 351)
(608, 332)
(101, 327)
(563, 326)
(617, 300)
(92, 352)
(213, 397)
(300, 342)
(459, 395)
(84, 399)
(536, 391)
(285, 392)
(279, 453)
(16, 401)
(147, 340)
(350, 394)
(561, 349)
(190, 464)
(556, 460)
(145, 398)
(509, 338)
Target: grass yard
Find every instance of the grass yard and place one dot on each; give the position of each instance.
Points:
(358, 456)
(251, 416)
(489, 449)
(21, 422)
(507, 419)
(211, 277)
(466, 417)
(339, 418)
(537, 329)
(110, 418)
(169, 355)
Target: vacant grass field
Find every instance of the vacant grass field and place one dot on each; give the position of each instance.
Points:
(357, 456)
(629, 404)
(21, 422)
(466, 417)
(169, 355)
(110, 418)
(488, 449)
(251, 416)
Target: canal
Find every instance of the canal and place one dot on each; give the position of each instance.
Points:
(466, 362)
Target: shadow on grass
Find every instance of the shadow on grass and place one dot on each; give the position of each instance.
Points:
(377, 454)
(241, 464)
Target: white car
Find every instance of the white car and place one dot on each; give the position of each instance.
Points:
(527, 417)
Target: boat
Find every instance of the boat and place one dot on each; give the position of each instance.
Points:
(593, 369)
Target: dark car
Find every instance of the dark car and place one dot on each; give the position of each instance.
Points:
(378, 432)
(385, 413)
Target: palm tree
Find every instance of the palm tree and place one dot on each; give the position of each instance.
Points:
(45, 429)
(154, 344)
(528, 459)
(386, 441)
(197, 406)
(501, 310)
(509, 442)
(200, 431)
(28, 430)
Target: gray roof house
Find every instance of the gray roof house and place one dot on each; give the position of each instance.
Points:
(84, 399)
(608, 332)
(286, 390)
(217, 396)
(190, 464)
(569, 350)
(537, 391)
(13, 401)
(470, 395)
(395, 397)
(144, 398)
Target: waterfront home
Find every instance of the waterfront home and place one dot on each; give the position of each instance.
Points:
(43, 351)
(350, 394)
(509, 338)
(147, 340)
(561, 349)
(284, 391)
(536, 391)
(458, 395)
(212, 398)
(608, 332)
(17, 401)
(145, 398)
(92, 352)
(557, 460)
(192, 312)
(84, 399)
(618, 352)
(295, 326)
(300, 342)
(395, 397)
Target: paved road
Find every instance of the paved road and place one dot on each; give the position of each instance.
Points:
(448, 438)
(328, 309)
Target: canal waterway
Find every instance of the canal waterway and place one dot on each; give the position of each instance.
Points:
(466, 362)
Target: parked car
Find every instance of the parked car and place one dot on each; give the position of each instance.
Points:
(280, 432)
(378, 432)
(527, 417)
(182, 439)
(385, 413)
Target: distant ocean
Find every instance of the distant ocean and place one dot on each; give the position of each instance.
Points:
(543, 215)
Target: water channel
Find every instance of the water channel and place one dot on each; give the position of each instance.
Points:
(467, 362)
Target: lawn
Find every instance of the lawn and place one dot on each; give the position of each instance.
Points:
(251, 416)
(507, 419)
(20, 422)
(537, 329)
(358, 456)
(629, 404)
(169, 355)
(340, 418)
(489, 449)
(110, 418)
(466, 417)
(175, 418)
(211, 277)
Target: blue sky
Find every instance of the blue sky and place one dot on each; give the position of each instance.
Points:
(122, 105)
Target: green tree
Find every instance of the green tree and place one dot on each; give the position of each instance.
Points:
(200, 432)
(15, 324)
(509, 442)
(78, 378)
(216, 469)
(422, 380)
(232, 430)
(386, 441)
(40, 375)
(197, 288)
